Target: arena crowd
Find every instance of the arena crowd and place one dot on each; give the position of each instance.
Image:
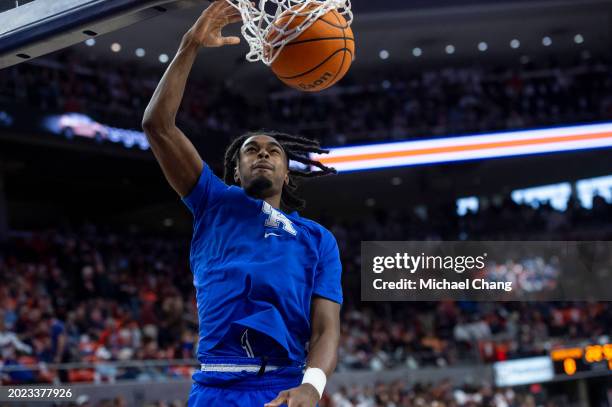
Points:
(393, 105)
(94, 295)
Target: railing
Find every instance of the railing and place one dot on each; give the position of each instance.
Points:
(92, 365)
(141, 392)
(97, 372)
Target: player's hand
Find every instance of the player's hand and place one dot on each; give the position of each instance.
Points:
(303, 396)
(206, 31)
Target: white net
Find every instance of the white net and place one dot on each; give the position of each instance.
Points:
(267, 35)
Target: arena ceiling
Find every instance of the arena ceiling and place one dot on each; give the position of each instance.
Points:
(368, 6)
(398, 26)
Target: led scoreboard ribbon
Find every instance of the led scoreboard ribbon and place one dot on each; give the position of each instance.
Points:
(468, 147)
(569, 361)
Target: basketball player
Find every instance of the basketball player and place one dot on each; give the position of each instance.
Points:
(267, 280)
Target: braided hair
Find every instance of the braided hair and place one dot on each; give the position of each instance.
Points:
(297, 149)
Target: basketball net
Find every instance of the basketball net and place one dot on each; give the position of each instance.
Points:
(266, 39)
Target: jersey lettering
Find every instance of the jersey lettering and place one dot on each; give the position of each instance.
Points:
(276, 218)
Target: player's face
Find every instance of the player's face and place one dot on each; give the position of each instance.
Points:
(262, 170)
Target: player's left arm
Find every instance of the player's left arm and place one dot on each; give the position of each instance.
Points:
(325, 337)
(322, 354)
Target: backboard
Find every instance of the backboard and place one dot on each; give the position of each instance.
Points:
(31, 28)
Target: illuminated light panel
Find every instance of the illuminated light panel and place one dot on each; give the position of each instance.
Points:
(466, 204)
(589, 188)
(569, 366)
(524, 371)
(594, 354)
(469, 147)
(607, 350)
(561, 354)
(556, 194)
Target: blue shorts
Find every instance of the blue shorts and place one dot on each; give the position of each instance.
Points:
(242, 389)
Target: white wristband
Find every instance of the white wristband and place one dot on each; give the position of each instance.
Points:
(317, 378)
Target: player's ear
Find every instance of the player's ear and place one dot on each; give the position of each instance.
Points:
(236, 175)
(286, 181)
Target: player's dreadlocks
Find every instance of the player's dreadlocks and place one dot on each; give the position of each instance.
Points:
(297, 149)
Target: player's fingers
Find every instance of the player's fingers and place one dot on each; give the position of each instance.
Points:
(211, 12)
(230, 10)
(231, 19)
(275, 403)
(220, 3)
(282, 397)
(235, 18)
(293, 403)
(226, 6)
(230, 40)
(215, 5)
(220, 8)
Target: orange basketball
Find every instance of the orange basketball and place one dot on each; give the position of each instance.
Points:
(317, 58)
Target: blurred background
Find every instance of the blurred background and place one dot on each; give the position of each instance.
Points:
(95, 285)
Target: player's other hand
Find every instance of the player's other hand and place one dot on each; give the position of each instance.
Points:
(206, 31)
(303, 396)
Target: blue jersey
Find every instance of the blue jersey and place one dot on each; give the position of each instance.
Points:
(257, 268)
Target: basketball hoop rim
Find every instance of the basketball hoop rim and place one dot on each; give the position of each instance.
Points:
(259, 23)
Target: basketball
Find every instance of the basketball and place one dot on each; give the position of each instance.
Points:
(317, 58)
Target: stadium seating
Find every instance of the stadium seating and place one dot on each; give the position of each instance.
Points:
(93, 295)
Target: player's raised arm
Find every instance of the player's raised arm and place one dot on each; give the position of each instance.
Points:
(176, 155)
